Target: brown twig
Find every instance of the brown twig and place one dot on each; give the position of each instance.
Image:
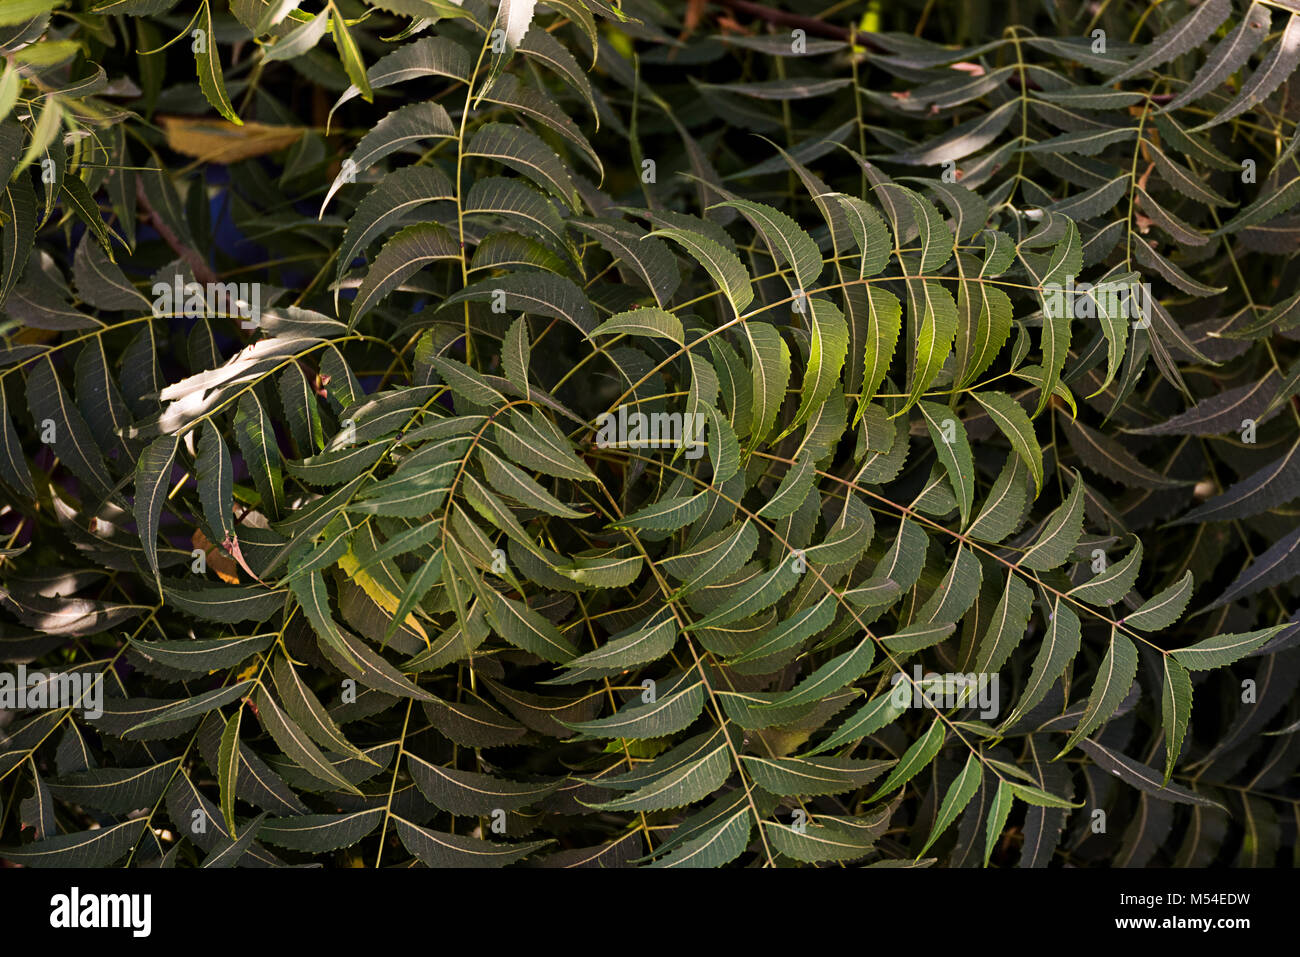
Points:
(813, 26)
(202, 271)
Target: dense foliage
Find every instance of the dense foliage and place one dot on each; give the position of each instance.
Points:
(334, 334)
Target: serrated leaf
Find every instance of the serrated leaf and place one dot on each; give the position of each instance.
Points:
(1060, 645)
(470, 792)
(1112, 583)
(1187, 34)
(1275, 484)
(1230, 54)
(1175, 710)
(97, 848)
(721, 263)
(1222, 649)
(932, 318)
(1060, 533)
(320, 832)
(997, 817)
(438, 849)
(1164, 608)
(1114, 678)
(784, 237)
(649, 643)
(208, 64)
(829, 345)
(670, 712)
(1272, 73)
(228, 768)
(917, 757)
(953, 447)
(1013, 422)
(680, 787)
(956, 798)
(789, 777)
(295, 744)
(152, 481)
(1140, 776)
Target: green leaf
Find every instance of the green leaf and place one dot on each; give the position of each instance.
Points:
(685, 785)
(1006, 628)
(152, 482)
(228, 768)
(1039, 797)
(796, 484)
(1060, 645)
(13, 464)
(524, 628)
(1175, 710)
(99, 848)
(769, 359)
(650, 259)
(302, 705)
(997, 818)
(297, 746)
(714, 558)
(720, 843)
(789, 777)
(650, 322)
(208, 64)
(648, 643)
(402, 256)
(1275, 484)
(215, 476)
(1185, 35)
(349, 53)
(828, 838)
(829, 345)
(256, 438)
(73, 442)
(1060, 534)
(225, 603)
(1222, 649)
(671, 711)
(787, 241)
(1140, 776)
(1163, 609)
(320, 832)
(1012, 420)
(536, 444)
(956, 798)
(1113, 582)
(1114, 678)
(666, 515)
(538, 294)
(835, 674)
(115, 790)
(401, 128)
(199, 704)
(932, 317)
(203, 655)
(438, 849)
(884, 315)
(721, 263)
(870, 234)
(953, 447)
(1272, 73)
(469, 792)
(913, 761)
(1230, 55)
(527, 154)
(513, 482)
